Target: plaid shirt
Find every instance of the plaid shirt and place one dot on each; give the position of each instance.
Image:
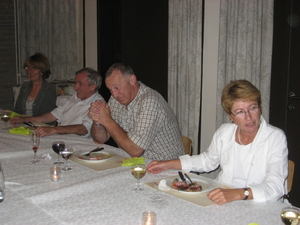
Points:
(150, 123)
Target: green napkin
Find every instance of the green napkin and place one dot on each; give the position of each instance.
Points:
(13, 114)
(20, 130)
(132, 161)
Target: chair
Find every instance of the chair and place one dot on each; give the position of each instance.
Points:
(187, 145)
(290, 175)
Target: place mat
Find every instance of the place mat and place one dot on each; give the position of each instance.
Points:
(113, 162)
(200, 199)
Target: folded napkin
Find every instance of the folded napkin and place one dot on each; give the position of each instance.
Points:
(132, 161)
(163, 185)
(19, 130)
(13, 114)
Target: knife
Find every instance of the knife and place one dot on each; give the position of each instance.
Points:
(187, 176)
(28, 124)
(95, 150)
(181, 176)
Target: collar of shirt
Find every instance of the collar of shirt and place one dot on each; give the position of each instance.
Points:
(142, 89)
(86, 101)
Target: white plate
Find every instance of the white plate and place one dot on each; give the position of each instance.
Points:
(206, 184)
(80, 153)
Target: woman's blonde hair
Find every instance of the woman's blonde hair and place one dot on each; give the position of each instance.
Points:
(41, 62)
(239, 90)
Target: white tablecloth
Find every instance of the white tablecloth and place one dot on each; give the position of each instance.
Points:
(86, 196)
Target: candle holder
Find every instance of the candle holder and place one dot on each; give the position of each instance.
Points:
(55, 174)
(149, 218)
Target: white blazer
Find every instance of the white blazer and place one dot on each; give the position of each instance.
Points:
(268, 164)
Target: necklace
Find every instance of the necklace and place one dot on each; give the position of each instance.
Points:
(240, 137)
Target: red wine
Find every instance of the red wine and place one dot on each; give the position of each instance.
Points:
(58, 147)
(35, 148)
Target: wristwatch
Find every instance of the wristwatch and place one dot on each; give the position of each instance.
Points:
(98, 124)
(246, 193)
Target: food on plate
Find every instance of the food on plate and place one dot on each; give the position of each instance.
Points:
(95, 156)
(180, 185)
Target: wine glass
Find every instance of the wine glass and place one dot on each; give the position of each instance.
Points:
(58, 146)
(290, 215)
(35, 141)
(138, 171)
(66, 153)
(5, 116)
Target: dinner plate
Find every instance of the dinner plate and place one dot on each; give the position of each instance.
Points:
(107, 156)
(206, 184)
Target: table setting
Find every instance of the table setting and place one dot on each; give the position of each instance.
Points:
(106, 188)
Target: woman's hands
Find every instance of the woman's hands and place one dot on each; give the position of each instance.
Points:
(221, 196)
(159, 166)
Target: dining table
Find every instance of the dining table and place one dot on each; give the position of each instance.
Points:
(101, 192)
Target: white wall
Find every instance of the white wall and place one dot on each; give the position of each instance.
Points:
(91, 56)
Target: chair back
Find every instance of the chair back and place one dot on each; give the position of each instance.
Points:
(290, 175)
(187, 145)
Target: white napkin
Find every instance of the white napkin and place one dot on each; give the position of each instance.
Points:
(163, 185)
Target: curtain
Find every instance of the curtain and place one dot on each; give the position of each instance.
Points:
(54, 28)
(184, 65)
(245, 48)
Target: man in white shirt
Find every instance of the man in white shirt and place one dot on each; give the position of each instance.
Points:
(73, 115)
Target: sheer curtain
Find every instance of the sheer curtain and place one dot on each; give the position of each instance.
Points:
(54, 28)
(245, 47)
(185, 56)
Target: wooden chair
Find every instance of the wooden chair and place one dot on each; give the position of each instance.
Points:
(290, 175)
(187, 145)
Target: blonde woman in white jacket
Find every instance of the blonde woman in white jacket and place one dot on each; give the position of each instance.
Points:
(252, 154)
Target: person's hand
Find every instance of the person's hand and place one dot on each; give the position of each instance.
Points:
(221, 196)
(157, 166)
(99, 112)
(45, 131)
(16, 120)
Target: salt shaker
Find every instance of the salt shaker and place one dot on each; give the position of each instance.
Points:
(2, 185)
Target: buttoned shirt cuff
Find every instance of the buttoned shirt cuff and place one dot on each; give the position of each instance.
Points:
(186, 163)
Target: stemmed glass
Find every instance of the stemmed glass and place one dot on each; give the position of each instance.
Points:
(66, 154)
(138, 171)
(35, 141)
(58, 146)
(5, 116)
(290, 215)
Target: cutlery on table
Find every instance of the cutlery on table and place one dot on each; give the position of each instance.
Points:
(181, 176)
(95, 150)
(30, 124)
(187, 176)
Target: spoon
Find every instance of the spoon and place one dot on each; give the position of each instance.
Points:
(95, 150)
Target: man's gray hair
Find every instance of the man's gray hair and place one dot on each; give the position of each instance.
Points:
(93, 76)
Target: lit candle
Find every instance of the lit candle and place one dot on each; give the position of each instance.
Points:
(55, 174)
(149, 218)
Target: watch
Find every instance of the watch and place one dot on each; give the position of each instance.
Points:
(246, 193)
(98, 124)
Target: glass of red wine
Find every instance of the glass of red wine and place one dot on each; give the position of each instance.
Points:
(35, 142)
(58, 146)
(66, 154)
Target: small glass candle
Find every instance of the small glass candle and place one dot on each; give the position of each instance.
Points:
(55, 174)
(149, 218)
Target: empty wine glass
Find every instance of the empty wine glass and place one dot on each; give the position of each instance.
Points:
(5, 116)
(35, 142)
(290, 215)
(66, 154)
(138, 171)
(58, 146)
